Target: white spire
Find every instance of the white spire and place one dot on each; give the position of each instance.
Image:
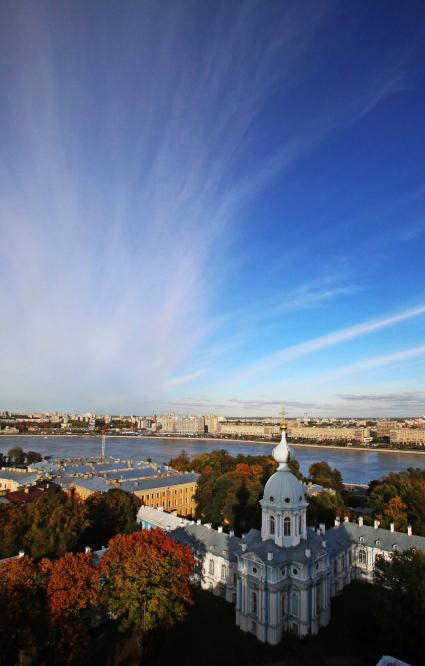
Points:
(281, 452)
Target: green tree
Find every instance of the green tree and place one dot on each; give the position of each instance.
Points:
(108, 514)
(324, 508)
(401, 581)
(16, 455)
(323, 474)
(33, 457)
(57, 522)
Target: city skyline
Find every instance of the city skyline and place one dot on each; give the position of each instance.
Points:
(212, 206)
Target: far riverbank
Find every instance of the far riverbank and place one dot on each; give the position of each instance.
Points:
(272, 443)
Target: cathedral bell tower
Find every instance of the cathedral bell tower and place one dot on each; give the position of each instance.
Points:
(283, 504)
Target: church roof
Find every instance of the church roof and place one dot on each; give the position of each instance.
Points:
(348, 533)
(285, 554)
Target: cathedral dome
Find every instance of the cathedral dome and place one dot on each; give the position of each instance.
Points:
(284, 490)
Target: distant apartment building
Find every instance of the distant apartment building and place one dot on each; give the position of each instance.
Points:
(250, 430)
(211, 423)
(329, 433)
(181, 425)
(403, 436)
(384, 427)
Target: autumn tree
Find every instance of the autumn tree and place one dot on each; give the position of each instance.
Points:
(181, 462)
(22, 616)
(73, 602)
(147, 582)
(400, 498)
(323, 474)
(401, 584)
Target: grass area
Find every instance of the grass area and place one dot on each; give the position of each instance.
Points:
(209, 636)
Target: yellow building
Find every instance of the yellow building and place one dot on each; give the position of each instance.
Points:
(414, 436)
(211, 423)
(172, 493)
(14, 480)
(250, 430)
(329, 433)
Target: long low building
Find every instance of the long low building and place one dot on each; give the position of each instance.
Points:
(329, 433)
(12, 480)
(249, 430)
(415, 436)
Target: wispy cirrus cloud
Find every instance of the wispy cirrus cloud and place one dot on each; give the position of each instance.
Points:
(341, 336)
(127, 163)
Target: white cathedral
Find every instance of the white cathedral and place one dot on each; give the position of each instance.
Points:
(282, 579)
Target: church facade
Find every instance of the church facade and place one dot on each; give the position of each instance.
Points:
(282, 578)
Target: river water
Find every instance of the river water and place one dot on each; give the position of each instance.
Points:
(355, 466)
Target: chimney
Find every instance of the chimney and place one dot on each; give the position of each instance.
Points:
(376, 524)
(21, 553)
(360, 521)
(269, 556)
(308, 552)
(87, 549)
(337, 521)
(409, 530)
(232, 533)
(209, 525)
(323, 544)
(244, 547)
(219, 529)
(346, 520)
(199, 521)
(392, 527)
(322, 528)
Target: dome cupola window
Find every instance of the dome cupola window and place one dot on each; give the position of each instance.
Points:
(287, 526)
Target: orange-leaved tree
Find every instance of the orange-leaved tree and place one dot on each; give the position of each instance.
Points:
(73, 584)
(73, 592)
(147, 581)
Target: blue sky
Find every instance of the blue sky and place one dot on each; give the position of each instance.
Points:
(213, 206)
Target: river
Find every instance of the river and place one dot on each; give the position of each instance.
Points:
(355, 466)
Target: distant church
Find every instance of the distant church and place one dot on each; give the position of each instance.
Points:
(282, 578)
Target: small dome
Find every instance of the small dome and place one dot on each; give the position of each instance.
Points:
(284, 490)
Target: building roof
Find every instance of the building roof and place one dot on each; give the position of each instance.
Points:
(23, 478)
(92, 483)
(349, 533)
(159, 482)
(286, 554)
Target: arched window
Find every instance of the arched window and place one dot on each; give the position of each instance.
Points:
(287, 527)
(223, 572)
(211, 567)
(300, 525)
(282, 604)
(362, 558)
(254, 603)
(272, 525)
(295, 603)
